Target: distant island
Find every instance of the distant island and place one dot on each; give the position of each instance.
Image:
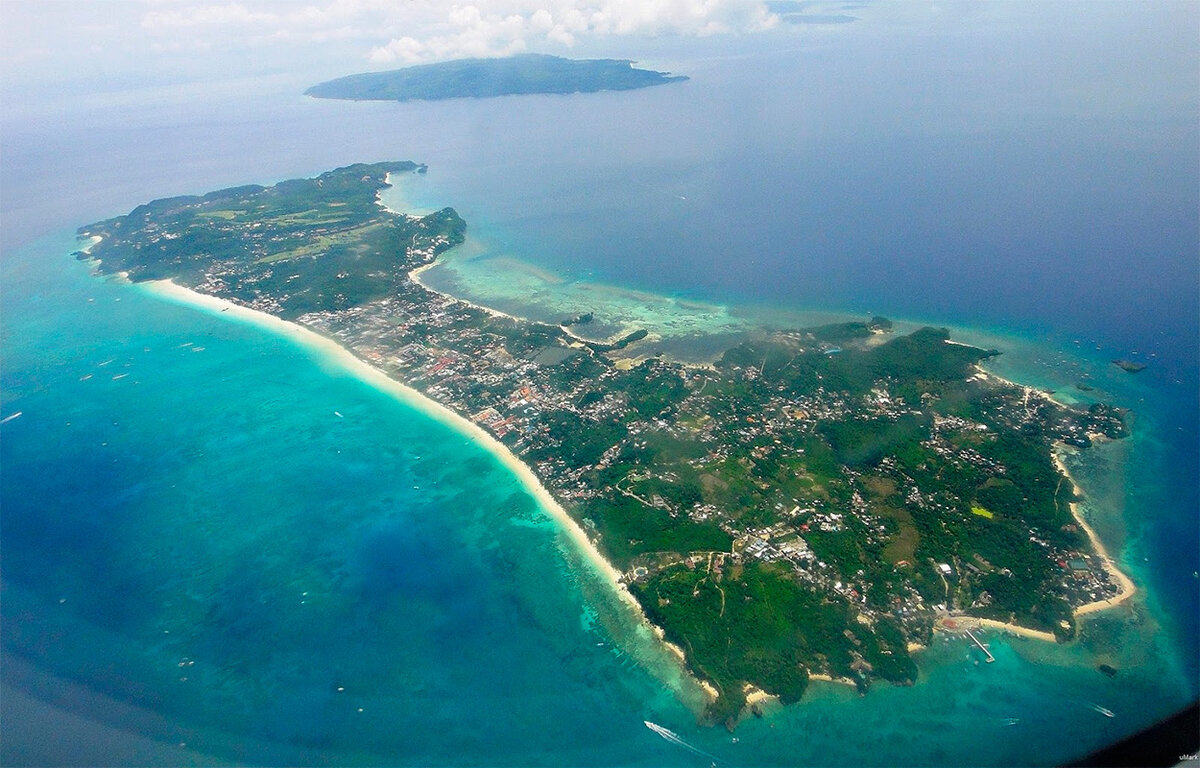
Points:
(484, 78)
(813, 504)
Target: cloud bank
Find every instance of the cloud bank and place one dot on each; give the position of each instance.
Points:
(410, 31)
(503, 27)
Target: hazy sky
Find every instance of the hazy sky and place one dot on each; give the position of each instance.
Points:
(68, 39)
(112, 45)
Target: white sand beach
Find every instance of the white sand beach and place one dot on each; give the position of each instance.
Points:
(1126, 587)
(342, 357)
(415, 276)
(334, 352)
(830, 679)
(1017, 629)
(367, 373)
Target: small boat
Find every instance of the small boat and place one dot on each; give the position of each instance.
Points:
(1103, 710)
(664, 732)
(10, 417)
(674, 738)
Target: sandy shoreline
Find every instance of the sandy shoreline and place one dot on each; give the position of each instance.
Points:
(1028, 390)
(376, 378)
(1126, 586)
(756, 696)
(964, 622)
(92, 242)
(710, 691)
(1017, 629)
(413, 212)
(171, 291)
(415, 276)
(831, 679)
(178, 294)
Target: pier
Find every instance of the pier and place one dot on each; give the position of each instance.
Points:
(982, 647)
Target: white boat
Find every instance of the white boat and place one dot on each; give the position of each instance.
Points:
(1102, 710)
(674, 738)
(666, 733)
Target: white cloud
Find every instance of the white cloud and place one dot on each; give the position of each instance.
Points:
(499, 27)
(206, 16)
(426, 30)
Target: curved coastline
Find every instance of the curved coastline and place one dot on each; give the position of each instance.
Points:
(412, 397)
(1126, 586)
(171, 291)
(373, 376)
(618, 328)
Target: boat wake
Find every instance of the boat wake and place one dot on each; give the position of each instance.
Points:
(674, 738)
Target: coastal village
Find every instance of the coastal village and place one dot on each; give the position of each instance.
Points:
(475, 374)
(844, 489)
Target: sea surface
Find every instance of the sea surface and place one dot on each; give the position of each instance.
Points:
(216, 537)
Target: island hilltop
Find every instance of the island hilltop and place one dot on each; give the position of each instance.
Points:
(484, 78)
(814, 502)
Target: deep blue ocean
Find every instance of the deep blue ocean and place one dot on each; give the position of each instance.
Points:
(198, 550)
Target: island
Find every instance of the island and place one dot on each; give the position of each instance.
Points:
(812, 503)
(484, 78)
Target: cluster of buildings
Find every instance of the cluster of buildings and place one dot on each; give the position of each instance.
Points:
(514, 378)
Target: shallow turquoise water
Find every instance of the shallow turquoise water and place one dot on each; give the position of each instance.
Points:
(184, 504)
(796, 172)
(240, 559)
